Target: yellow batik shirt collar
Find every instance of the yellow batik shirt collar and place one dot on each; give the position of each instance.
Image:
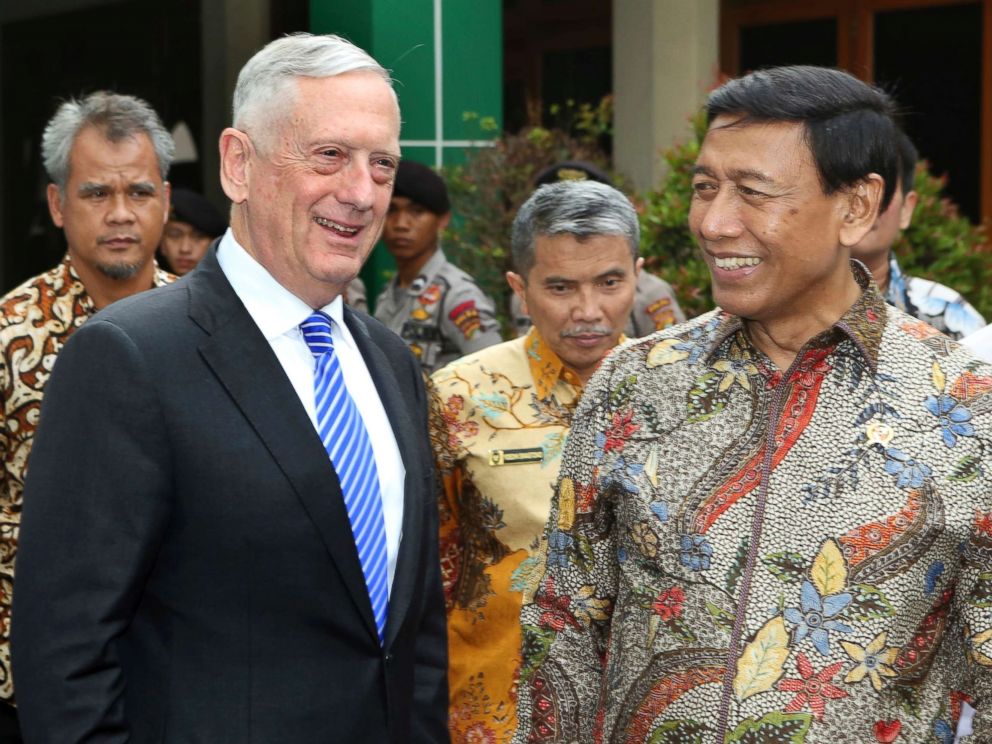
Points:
(547, 368)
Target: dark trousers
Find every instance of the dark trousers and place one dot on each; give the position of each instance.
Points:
(10, 731)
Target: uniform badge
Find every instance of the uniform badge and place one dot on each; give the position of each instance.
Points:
(419, 314)
(430, 295)
(661, 313)
(466, 317)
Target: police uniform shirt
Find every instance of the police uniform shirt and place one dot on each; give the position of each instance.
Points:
(442, 315)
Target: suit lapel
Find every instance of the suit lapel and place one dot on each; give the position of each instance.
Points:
(243, 361)
(409, 436)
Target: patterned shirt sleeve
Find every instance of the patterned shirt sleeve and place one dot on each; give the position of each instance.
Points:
(566, 624)
(974, 598)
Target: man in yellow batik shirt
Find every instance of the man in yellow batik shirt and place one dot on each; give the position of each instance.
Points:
(499, 418)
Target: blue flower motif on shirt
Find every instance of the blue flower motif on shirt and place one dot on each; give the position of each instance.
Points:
(558, 543)
(699, 340)
(491, 404)
(623, 475)
(909, 472)
(934, 572)
(814, 617)
(960, 317)
(943, 732)
(696, 552)
(953, 416)
(660, 510)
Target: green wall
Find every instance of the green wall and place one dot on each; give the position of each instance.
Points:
(400, 34)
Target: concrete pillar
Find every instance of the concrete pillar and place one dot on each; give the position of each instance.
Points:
(231, 31)
(665, 59)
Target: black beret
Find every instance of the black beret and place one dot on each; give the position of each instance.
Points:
(571, 170)
(189, 206)
(421, 184)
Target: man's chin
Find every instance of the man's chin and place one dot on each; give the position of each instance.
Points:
(120, 270)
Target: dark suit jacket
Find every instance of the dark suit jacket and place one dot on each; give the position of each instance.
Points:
(186, 568)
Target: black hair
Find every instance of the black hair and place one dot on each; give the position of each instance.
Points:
(850, 125)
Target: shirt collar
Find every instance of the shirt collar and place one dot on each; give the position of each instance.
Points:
(546, 367)
(275, 309)
(863, 323)
(71, 280)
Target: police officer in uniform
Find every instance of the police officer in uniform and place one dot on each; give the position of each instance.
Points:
(433, 305)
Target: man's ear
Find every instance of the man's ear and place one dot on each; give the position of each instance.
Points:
(908, 206)
(638, 266)
(443, 221)
(54, 204)
(235, 153)
(167, 192)
(861, 205)
(518, 284)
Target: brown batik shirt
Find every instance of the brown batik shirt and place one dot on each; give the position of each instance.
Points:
(738, 553)
(36, 319)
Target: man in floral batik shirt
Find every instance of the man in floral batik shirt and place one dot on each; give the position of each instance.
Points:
(107, 156)
(773, 523)
(498, 422)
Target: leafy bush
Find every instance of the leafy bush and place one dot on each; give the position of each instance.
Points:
(490, 186)
(942, 245)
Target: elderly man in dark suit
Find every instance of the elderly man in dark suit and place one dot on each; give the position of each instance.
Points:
(230, 533)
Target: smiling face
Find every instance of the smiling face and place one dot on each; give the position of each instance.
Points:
(579, 295)
(777, 247)
(114, 205)
(311, 196)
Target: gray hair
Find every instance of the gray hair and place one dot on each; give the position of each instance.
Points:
(579, 208)
(265, 82)
(117, 116)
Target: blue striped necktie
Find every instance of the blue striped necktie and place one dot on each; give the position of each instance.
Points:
(346, 440)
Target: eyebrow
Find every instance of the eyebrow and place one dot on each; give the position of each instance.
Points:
(735, 174)
(616, 271)
(90, 187)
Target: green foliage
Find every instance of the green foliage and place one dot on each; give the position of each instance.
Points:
(942, 245)
(668, 247)
(490, 186)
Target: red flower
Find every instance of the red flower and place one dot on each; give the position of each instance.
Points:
(983, 523)
(555, 613)
(620, 429)
(812, 366)
(812, 690)
(668, 605)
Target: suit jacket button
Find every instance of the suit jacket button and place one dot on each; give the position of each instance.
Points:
(389, 658)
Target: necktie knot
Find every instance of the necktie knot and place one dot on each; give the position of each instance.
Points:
(317, 333)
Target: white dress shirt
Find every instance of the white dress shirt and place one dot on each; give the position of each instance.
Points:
(278, 314)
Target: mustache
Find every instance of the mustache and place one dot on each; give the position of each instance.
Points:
(592, 330)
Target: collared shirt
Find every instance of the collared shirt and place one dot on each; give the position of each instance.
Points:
(498, 421)
(442, 315)
(36, 320)
(940, 306)
(278, 313)
(742, 553)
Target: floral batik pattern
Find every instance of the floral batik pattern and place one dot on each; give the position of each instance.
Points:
(739, 553)
(499, 419)
(36, 319)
